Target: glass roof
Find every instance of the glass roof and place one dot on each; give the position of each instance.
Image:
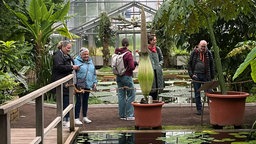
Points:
(85, 14)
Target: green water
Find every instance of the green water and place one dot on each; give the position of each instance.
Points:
(169, 137)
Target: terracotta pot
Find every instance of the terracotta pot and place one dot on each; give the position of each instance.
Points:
(148, 115)
(227, 109)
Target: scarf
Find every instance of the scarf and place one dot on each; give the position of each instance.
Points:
(152, 49)
(202, 56)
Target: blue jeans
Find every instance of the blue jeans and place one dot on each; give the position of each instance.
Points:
(197, 85)
(84, 102)
(125, 96)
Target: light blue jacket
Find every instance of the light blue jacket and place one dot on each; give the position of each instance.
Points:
(87, 69)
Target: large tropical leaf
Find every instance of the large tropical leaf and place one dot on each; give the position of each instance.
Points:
(64, 32)
(249, 60)
(253, 68)
(62, 13)
(34, 10)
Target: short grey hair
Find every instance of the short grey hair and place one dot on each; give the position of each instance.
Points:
(82, 50)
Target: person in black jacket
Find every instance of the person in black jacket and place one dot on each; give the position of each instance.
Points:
(63, 65)
(200, 69)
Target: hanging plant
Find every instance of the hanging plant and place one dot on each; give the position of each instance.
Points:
(145, 70)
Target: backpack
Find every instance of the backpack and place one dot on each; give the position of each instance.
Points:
(117, 64)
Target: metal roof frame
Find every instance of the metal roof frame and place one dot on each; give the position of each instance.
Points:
(82, 29)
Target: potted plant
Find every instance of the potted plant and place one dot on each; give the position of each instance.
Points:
(147, 114)
(175, 16)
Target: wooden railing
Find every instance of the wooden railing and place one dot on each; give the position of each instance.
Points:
(38, 96)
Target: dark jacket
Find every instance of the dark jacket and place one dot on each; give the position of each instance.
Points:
(62, 66)
(157, 62)
(209, 64)
(128, 61)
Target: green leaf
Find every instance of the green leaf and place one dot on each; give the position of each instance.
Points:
(34, 10)
(60, 14)
(45, 12)
(253, 68)
(250, 58)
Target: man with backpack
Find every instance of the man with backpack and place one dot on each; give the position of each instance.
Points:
(126, 91)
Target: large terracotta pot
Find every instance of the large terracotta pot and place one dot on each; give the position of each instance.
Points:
(148, 115)
(227, 109)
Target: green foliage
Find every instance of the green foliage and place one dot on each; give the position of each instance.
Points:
(94, 100)
(40, 22)
(104, 26)
(176, 51)
(105, 34)
(13, 56)
(105, 69)
(249, 60)
(251, 99)
(190, 16)
(7, 85)
(8, 22)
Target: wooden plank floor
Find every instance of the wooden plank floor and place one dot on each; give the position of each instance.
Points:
(26, 135)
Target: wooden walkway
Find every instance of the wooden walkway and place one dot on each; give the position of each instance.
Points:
(26, 136)
(52, 132)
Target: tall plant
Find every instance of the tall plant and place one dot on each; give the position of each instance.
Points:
(105, 36)
(191, 15)
(40, 22)
(145, 70)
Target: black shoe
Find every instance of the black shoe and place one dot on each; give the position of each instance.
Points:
(199, 112)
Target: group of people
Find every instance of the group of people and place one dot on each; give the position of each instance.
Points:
(200, 69)
(86, 79)
(126, 91)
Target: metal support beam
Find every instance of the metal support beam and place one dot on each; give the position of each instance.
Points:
(94, 22)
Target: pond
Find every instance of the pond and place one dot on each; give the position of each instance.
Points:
(167, 137)
(175, 91)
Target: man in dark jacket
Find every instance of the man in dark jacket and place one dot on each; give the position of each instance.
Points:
(200, 69)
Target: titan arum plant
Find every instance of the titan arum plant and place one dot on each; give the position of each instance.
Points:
(145, 69)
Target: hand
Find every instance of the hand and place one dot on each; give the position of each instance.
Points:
(94, 88)
(194, 76)
(136, 63)
(75, 67)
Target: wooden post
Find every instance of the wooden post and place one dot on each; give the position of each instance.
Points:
(71, 102)
(40, 117)
(5, 128)
(59, 98)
